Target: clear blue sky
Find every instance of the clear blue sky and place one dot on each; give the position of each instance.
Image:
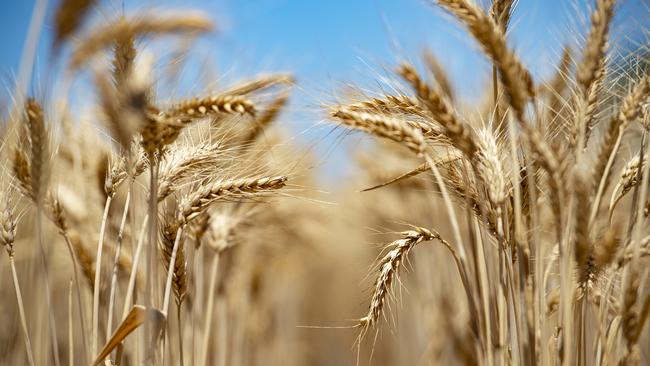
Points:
(330, 43)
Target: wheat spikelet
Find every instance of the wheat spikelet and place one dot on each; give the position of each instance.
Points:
(629, 178)
(490, 168)
(86, 259)
(159, 131)
(593, 96)
(501, 11)
(8, 230)
(390, 104)
(408, 106)
(383, 126)
(21, 170)
(221, 104)
(55, 212)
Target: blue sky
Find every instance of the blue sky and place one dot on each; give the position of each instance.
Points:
(331, 43)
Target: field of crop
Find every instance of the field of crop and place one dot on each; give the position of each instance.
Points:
(147, 226)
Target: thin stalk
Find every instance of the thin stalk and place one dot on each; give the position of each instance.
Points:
(484, 280)
(180, 334)
(566, 287)
(208, 319)
(449, 206)
(82, 311)
(582, 347)
(21, 310)
(98, 272)
(198, 266)
(48, 292)
(70, 330)
(151, 273)
(462, 258)
(603, 180)
(168, 286)
(118, 250)
(170, 271)
(134, 269)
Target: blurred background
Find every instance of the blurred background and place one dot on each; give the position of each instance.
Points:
(317, 274)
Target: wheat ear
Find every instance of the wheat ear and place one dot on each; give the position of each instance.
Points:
(516, 78)
(458, 133)
(628, 112)
(383, 126)
(220, 104)
(596, 47)
(156, 24)
(196, 203)
(68, 18)
(389, 267)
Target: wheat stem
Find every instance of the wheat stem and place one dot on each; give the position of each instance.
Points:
(151, 268)
(98, 271)
(70, 330)
(134, 269)
(210, 308)
(118, 250)
(82, 315)
(48, 292)
(170, 271)
(21, 310)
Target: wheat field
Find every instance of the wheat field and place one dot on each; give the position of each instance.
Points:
(144, 226)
